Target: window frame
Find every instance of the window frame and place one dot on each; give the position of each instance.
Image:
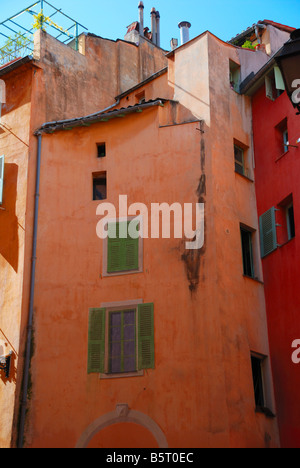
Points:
(99, 145)
(144, 316)
(249, 232)
(288, 222)
(237, 162)
(99, 176)
(259, 396)
(108, 340)
(105, 272)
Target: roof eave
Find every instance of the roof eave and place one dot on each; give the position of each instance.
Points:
(51, 127)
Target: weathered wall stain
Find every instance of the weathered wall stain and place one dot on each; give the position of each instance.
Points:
(191, 258)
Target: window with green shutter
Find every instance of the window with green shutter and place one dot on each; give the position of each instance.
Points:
(1, 178)
(121, 340)
(268, 234)
(122, 250)
(96, 340)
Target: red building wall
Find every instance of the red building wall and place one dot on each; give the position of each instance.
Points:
(277, 176)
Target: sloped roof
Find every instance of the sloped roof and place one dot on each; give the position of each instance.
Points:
(241, 37)
(101, 116)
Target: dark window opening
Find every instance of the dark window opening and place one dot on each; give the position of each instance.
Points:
(282, 137)
(290, 222)
(246, 237)
(234, 76)
(101, 150)
(99, 186)
(258, 381)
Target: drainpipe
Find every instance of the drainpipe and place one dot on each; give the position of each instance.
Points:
(31, 301)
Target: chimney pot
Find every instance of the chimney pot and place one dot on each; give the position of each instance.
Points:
(184, 27)
(141, 18)
(158, 29)
(153, 25)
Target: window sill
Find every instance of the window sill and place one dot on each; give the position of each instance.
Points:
(265, 410)
(257, 280)
(244, 177)
(121, 273)
(122, 375)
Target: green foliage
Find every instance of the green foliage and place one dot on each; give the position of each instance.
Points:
(40, 20)
(15, 46)
(248, 45)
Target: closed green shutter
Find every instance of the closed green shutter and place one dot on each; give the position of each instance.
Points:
(268, 234)
(122, 253)
(96, 341)
(146, 336)
(1, 178)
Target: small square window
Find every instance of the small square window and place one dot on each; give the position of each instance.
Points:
(101, 150)
(99, 186)
(247, 252)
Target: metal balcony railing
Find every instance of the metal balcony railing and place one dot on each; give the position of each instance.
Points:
(16, 32)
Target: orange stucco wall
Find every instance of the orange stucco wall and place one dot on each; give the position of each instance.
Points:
(200, 392)
(207, 316)
(14, 144)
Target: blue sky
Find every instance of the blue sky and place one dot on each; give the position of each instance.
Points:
(224, 18)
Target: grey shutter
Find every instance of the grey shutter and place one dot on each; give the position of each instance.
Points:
(268, 234)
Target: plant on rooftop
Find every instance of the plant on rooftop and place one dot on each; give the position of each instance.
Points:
(248, 45)
(15, 46)
(40, 21)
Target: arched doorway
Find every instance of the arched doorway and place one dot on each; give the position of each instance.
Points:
(123, 426)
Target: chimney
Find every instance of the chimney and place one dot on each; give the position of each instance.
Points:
(184, 27)
(174, 43)
(153, 25)
(141, 14)
(158, 29)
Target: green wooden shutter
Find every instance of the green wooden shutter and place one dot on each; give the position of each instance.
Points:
(268, 234)
(122, 253)
(1, 178)
(96, 341)
(146, 336)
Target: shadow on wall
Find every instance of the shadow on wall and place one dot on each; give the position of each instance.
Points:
(9, 239)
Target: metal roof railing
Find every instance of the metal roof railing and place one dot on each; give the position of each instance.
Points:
(16, 32)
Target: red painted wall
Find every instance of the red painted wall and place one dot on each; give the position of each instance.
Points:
(277, 176)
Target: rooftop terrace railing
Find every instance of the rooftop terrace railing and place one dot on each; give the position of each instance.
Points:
(16, 32)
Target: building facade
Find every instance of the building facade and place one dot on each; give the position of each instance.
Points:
(135, 341)
(276, 142)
